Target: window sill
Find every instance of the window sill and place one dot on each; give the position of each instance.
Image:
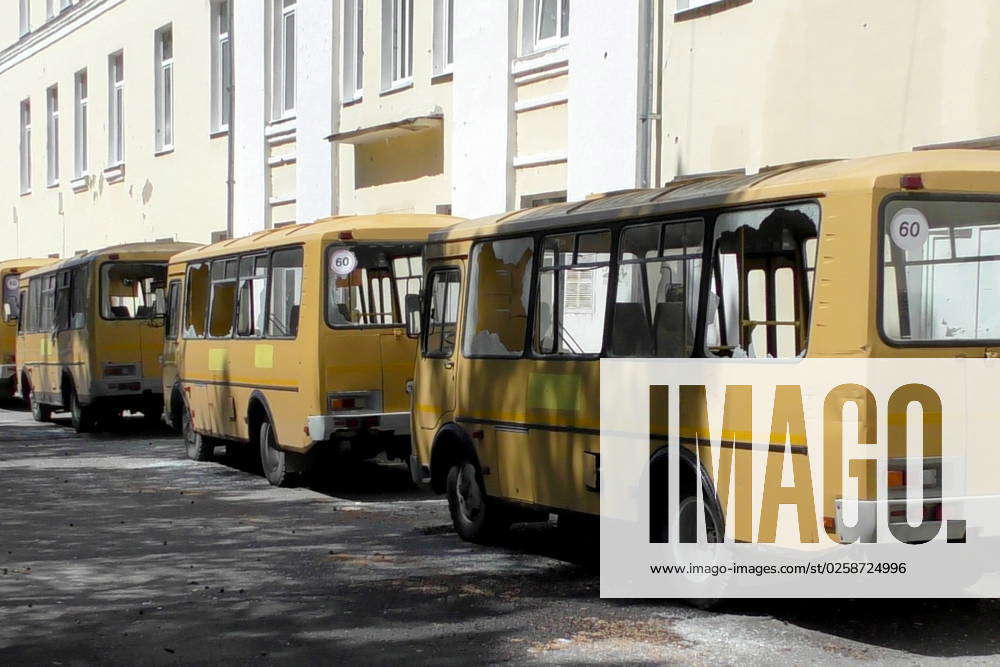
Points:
(707, 9)
(443, 76)
(352, 99)
(398, 86)
(221, 132)
(279, 125)
(166, 150)
(80, 183)
(25, 193)
(52, 185)
(115, 173)
(550, 58)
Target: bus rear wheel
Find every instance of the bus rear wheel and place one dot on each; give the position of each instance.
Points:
(39, 412)
(198, 447)
(81, 417)
(475, 516)
(273, 460)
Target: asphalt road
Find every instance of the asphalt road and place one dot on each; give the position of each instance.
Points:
(115, 549)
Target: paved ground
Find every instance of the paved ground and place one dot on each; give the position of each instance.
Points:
(115, 549)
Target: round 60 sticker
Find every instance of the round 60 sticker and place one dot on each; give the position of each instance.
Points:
(908, 229)
(343, 262)
(12, 282)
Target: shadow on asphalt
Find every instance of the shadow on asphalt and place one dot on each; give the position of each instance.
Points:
(345, 601)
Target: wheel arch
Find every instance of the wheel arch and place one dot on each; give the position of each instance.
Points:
(258, 411)
(451, 443)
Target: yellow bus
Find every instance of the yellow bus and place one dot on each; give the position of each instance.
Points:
(519, 309)
(293, 338)
(10, 283)
(91, 333)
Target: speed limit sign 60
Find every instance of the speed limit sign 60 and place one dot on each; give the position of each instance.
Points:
(343, 261)
(908, 229)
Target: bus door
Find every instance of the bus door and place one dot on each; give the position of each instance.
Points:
(434, 402)
(397, 351)
(171, 331)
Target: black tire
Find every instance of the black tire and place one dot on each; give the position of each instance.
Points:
(82, 417)
(199, 448)
(476, 517)
(273, 460)
(39, 412)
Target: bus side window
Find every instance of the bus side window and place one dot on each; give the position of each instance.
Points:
(442, 313)
(286, 293)
(22, 312)
(499, 283)
(173, 322)
(223, 298)
(659, 279)
(196, 301)
(572, 293)
(760, 288)
(79, 298)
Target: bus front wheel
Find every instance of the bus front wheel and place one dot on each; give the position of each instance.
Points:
(475, 516)
(273, 460)
(39, 412)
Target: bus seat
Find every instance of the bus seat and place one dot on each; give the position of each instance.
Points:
(144, 312)
(668, 326)
(630, 336)
(120, 312)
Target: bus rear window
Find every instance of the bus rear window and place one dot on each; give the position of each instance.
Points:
(367, 284)
(941, 271)
(132, 290)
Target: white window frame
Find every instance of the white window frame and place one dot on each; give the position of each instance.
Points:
(81, 90)
(283, 11)
(354, 50)
(25, 157)
(24, 18)
(684, 5)
(532, 42)
(221, 72)
(164, 89)
(49, 9)
(116, 109)
(52, 135)
(444, 36)
(397, 44)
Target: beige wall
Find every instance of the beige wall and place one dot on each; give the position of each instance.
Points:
(775, 81)
(411, 172)
(181, 195)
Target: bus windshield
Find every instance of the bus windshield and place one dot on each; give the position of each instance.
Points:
(366, 284)
(941, 271)
(133, 290)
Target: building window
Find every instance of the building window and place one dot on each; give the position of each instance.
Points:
(80, 125)
(116, 109)
(283, 85)
(397, 43)
(222, 66)
(444, 36)
(164, 40)
(354, 60)
(545, 24)
(25, 17)
(52, 135)
(25, 146)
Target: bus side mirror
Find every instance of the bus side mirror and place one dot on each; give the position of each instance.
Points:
(412, 312)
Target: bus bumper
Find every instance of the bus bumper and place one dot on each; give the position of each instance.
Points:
(866, 530)
(322, 427)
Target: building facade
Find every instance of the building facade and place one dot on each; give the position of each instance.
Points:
(127, 120)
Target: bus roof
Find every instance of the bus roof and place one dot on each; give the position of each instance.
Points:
(381, 227)
(26, 264)
(805, 179)
(157, 251)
